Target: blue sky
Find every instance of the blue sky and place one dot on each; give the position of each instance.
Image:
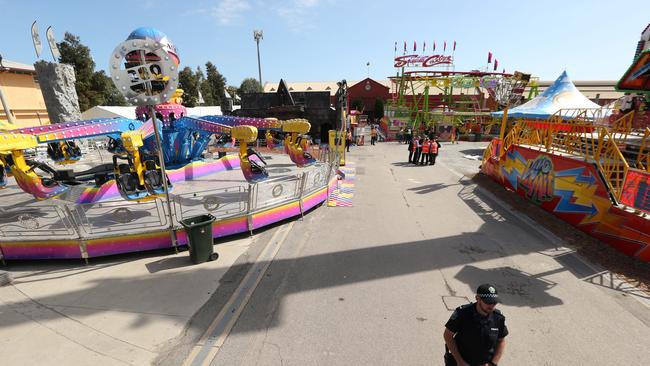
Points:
(319, 40)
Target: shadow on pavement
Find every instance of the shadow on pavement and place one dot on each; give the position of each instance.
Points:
(319, 271)
(515, 287)
(478, 152)
(428, 188)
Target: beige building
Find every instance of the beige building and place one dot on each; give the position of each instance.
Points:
(22, 95)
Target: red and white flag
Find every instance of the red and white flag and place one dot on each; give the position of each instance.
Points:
(404, 46)
(496, 63)
(454, 45)
(434, 45)
(444, 47)
(489, 57)
(424, 46)
(415, 46)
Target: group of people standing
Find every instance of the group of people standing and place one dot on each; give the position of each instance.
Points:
(423, 150)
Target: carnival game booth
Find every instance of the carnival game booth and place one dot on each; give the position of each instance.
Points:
(573, 162)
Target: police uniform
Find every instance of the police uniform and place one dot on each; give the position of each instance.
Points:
(476, 335)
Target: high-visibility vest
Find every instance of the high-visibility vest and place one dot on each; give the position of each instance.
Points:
(415, 145)
(425, 148)
(434, 147)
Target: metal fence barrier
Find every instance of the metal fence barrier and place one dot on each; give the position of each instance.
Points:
(40, 221)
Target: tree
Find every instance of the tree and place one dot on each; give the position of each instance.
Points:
(104, 91)
(93, 88)
(188, 81)
(250, 85)
(379, 108)
(217, 84)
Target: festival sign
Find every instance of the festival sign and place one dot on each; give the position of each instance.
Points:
(422, 60)
(637, 77)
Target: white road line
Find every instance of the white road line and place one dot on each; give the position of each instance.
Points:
(214, 337)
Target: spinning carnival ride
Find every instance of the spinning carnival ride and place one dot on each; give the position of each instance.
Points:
(79, 214)
(136, 167)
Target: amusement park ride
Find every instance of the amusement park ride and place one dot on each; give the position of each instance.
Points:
(136, 167)
(124, 204)
(432, 94)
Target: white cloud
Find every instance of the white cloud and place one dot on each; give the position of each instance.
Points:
(295, 13)
(306, 3)
(228, 11)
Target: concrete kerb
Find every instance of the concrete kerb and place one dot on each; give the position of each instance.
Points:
(559, 244)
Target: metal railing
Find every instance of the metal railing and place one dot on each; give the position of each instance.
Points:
(578, 139)
(611, 163)
(643, 158)
(620, 128)
(82, 222)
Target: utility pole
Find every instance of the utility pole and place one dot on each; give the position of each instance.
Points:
(257, 35)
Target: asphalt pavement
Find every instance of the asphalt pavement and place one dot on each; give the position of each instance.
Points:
(374, 284)
(371, 284)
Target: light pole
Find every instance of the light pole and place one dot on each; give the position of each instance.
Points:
(257, 35)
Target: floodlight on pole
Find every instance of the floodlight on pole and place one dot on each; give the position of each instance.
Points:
(257, 35)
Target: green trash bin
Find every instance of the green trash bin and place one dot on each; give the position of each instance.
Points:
(199, 238)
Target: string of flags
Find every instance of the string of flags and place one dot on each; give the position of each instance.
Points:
(496, 62)
(495, 65)
(424, 46)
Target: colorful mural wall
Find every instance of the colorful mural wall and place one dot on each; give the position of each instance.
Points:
(572, 190)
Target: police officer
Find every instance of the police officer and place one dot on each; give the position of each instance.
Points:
(475, 333)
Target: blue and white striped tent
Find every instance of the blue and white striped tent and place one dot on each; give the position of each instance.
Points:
(562, 94)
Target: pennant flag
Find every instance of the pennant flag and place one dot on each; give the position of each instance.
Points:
(489, 57)
(454, 45)
(434, 45)
(424, 47)
(504, 71)
(415, 46)
(404, 46)
(496, 62)
(396, 46)
(444, 47)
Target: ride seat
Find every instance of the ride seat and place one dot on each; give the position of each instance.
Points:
(54, 151)
(152, 176)
(127, 180)
(258, 169)
(74, 151)
(251, 152)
